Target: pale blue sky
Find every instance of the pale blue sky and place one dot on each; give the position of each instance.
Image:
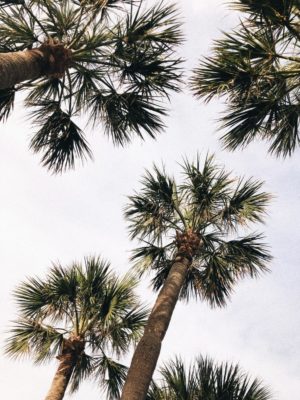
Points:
(47, 218)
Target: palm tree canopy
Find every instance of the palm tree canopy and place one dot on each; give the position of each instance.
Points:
(213, 206)
(256, 67)
(205, 380)
(87, 302)
(114, 60)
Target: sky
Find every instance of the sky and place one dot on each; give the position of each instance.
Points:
(46, 218)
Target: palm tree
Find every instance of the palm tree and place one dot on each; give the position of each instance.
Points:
(82, 315)
(204, 380)
(113, 60)
(256, 67)
(189, 233)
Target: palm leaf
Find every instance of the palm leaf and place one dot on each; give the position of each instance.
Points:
(7, 98)
(116, 375)
(203, 380)
(247, 204)
(31, 338)
(60, 140)
(125, 114)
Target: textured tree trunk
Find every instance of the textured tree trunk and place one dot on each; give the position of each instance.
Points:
(147, 352)
(20, 66)
(62, 377)
(52, 58)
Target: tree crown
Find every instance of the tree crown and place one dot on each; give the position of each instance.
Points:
(211, 205)
(87, 303)
(112, 60)
(203, 380)
(256, 67)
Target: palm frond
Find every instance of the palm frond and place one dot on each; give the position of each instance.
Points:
(60, 140)
(148, 71)
(127, 114)
(84, 369)
(148, 257)
(248, 255)
(17, 30)
(62, 19)
(7, 98)
(151, 213)
(205, 379)
(31, 297)
(48, 89)
(215, 276)
(157, 25)
(31, 338)
(247, 204)
(271, 11)
(115, 373)
(124, 330)
(207, 188)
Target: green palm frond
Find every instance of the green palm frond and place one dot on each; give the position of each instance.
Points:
(84, 369)
(203, 379)
(60, 140)
(216, 273)
(7, 98)
(255, 67)
(151, 213)
(31, 297)
(125, 330)
(112, 375)
(62, 19)
(31, 338)
(119, 321)
(206, 188)
(148, 257)
(46, 89)
(126, 114)
(17, 30)
(158, 26)
(272, 11)
(247, 204)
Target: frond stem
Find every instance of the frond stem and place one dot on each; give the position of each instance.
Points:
(35, 19)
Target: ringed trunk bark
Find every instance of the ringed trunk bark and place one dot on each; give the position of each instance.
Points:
(62, 377)
(147, 352)
(51, 59)
(20, 66)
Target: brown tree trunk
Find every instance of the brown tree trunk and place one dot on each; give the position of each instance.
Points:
(72, 348)
(20, 66)
(147, 352)
(62, 377)
(51, 59)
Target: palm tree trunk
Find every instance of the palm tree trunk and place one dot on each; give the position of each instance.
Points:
(20, 66)
(147, 352)
(52, 58)
(62, 377)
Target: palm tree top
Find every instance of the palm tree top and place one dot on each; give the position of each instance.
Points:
(256, 67)
(203, 216)
(81, 305)
(203, 380)
(113, 60)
